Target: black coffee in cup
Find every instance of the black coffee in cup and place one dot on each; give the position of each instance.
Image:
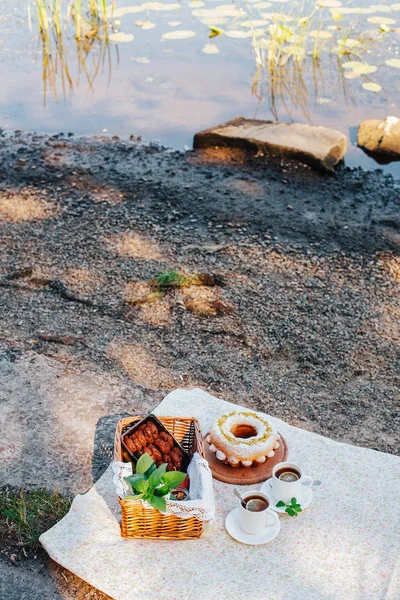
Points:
(288, 474)
(256, 503)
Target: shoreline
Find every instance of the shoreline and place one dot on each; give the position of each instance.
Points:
(300, 319)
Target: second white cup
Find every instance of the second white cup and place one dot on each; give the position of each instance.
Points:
(254, 522)
(286, 489)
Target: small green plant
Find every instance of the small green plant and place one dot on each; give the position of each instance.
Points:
(292, 508)
(171, 279)
(153, 484)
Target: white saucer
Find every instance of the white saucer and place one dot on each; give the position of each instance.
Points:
(305, 501)
(233, 528)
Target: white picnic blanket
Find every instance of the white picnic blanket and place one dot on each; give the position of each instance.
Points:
(344, 546)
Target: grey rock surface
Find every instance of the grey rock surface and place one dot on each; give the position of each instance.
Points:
(58, 421)
(319, 147)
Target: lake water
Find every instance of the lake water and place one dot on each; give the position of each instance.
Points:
(164, 78)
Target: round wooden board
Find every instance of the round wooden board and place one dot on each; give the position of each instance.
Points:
(242, 475)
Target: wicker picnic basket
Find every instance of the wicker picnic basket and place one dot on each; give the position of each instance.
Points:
(139, 521)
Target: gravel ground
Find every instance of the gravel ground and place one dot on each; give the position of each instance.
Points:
(303, 321)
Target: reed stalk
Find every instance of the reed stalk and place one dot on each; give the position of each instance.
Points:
(60, 21)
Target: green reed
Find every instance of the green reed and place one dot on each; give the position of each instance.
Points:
(293, 46)
(60, 22)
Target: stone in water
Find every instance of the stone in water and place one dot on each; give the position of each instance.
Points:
(319, 147)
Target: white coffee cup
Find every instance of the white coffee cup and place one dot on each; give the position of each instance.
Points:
(256, 522)
(286, 490)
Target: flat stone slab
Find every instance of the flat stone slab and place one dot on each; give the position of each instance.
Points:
(380, 138)
(319, 147)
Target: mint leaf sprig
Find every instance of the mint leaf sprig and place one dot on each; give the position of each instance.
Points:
(293, 508)
(152, 484)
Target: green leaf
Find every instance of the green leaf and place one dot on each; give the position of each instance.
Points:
(173, 478)
(280, 504)
(134, 479)
(142, 485)
(290, 511)
(298, 506)
(299, 509)
(156, 476)
(137, 497)
(172, 497)
(293, 502)
(144, 463)
(150, 470)
(161, 490)
(158, 503)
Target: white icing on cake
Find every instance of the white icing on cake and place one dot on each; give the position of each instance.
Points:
(243, 436)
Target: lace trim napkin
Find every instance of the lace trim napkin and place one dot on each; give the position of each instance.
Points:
(201, 493)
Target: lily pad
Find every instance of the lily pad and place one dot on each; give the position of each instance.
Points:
(349, 43)
(329, 3)
(393, 62)
(146, 6)
(141, 59)
(180, 34)
(360, 67)
(120, 37)
(372, 87)
(321, 34)
(353, 10)
(174, 23)
(196, 4)
(381, 20)
(381, 8)
(351, 75)
(145, 24)
(220, 11)
(259, 32)
(365, 69)
(396, 6)
(238, 33)
(210, 49)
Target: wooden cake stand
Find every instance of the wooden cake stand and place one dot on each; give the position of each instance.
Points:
(243, 475)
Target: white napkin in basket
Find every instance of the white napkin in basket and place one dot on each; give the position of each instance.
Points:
(201, 494)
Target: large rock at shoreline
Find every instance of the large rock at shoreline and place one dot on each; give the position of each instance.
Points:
(380, 138)
(318, 147)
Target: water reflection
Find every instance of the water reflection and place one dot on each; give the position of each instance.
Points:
(298, 87)
(273, 59)
(303, 61)
(78, 33)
